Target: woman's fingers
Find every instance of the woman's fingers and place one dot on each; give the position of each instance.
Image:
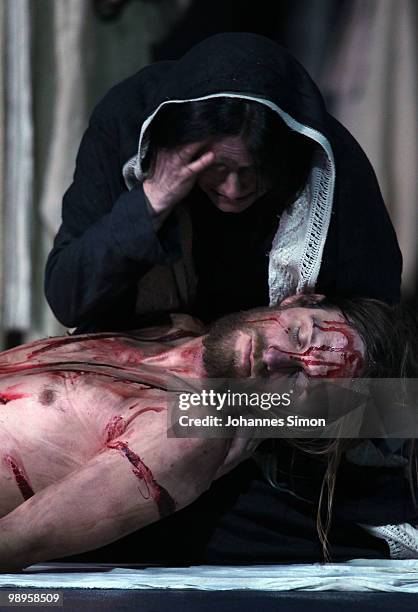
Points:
(190, 150)
(184, 161)
(174, 175)
(201, 163)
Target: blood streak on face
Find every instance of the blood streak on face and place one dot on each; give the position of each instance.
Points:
(22, 480)
(165, 503)
(272, 319)
(351, 358)
(265, 320)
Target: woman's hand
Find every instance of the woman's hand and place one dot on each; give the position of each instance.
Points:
(174, 175)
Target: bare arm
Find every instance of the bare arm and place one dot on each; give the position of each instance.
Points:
(128, 485)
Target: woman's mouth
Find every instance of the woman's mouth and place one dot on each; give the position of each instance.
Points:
(231, 200)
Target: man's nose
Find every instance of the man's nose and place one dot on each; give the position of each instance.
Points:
(230, 186)
(276, 360)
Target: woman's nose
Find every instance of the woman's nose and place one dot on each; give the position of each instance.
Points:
(230, 186)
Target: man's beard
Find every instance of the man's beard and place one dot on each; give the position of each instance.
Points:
(218, 346)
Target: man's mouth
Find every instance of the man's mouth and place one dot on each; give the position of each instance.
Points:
(247, 357)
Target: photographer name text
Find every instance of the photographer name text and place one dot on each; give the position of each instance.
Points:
(244, 421)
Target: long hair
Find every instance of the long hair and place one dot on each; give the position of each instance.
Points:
(390, 336)
(282, 157)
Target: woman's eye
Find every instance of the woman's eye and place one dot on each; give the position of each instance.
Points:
(247, 172)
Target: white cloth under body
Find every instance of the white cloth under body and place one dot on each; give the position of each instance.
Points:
(361, 575)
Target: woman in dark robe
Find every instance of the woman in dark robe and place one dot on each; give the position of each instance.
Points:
(317, 221)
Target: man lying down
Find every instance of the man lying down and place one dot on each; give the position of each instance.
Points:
(85, 458)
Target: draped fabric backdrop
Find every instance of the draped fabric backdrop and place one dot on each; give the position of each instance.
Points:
(59, 59)
(17, 167)
(68, 122)
(371, 79)
(2, 151)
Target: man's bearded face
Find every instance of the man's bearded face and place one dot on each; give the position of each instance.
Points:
(277, 342)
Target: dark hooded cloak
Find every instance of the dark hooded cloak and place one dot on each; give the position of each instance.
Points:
(108, 266)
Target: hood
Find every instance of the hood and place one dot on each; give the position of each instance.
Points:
(250, 66)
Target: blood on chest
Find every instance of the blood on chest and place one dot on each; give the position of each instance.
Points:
(53, 423)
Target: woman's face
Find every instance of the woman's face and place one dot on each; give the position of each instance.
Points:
(231, 182)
